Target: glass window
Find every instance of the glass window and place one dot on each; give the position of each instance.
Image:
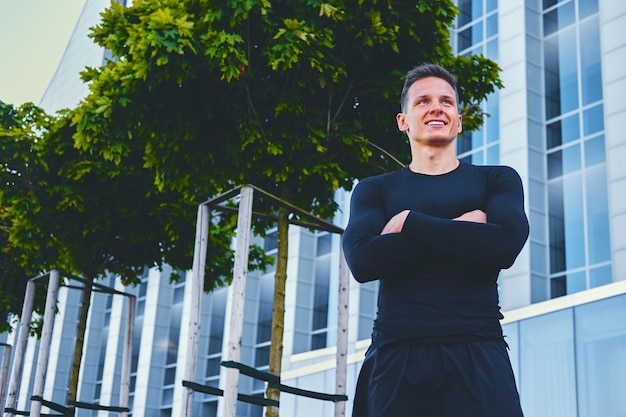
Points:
(564, 161)
(590, 66)
(547, 365)
(469, 10)
(598, 235)
(587, 8)
(492, 49)
(563, 131)
(576, 282)
(600, 351)
(492, 25)
(593, 120)
(558, 18)
(595, 152)
(324, 244)
(566, 223)
(601, 275)
(561, 75)
(493, 155)
(491, 5)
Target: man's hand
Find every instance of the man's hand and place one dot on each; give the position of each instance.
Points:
(395, 224)
(476, 216)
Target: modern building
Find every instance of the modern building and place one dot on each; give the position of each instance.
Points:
(558, 122)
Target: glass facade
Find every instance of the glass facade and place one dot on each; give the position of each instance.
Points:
(571, 362)
(579, 239)
(477, 33)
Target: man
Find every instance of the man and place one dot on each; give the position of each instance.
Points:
(436, 234)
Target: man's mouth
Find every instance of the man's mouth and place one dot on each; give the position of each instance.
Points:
(435, 123)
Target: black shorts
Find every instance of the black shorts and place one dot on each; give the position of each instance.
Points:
(472, 379)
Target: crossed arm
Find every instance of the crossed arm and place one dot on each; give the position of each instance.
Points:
(376, 247)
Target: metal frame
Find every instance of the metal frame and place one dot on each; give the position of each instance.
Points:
(237, 295)
(44, 348)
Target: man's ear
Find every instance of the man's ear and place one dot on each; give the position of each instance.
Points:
(401, 120)
(460, 128)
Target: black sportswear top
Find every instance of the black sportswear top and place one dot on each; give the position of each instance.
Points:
(438, 277)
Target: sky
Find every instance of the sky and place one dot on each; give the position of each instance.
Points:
(33, 36)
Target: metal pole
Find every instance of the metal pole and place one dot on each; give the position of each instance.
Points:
(44, 344)
(197, 288)
(5, 371)
(341, 372)
(20, 347)
(127, 354)
(236, 304)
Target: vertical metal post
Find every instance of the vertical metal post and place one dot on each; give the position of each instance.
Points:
(6, 358)
(44, 344)
(197, 288)
(20, 347)
(341, 372)
(127, 354)
(236, 304)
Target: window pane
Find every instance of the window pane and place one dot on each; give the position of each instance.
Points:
(598, 215)
(563, 131)
(601, 350)
(547, 374)
(576, 282)
(595, 152)
(492, 25)
(266, 304)
(587, 8)
(593, 120)
(600, 276)
(324, 243)
(558, 18)
(561, 78)
(574, 228)
(590, 66)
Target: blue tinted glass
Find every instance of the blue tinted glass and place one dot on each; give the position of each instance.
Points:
(587, 8)
(593, 120)
(464, 39)
(590, 64)
(465, 12)
(595, 152)
(478, 138)
(547, 365)
(561, 79)
(600, 276)
(492, 5)
(493, 121)
(576, 282)
(563, 131)
(492, 25)
(555, 164)
(556, 227)
(477, 158)
(558, 18)
(477, 32)
(571, 159)
(601, 358)
(598, 234)
(493, 155)
(492, 49)
(564, 161)
(573, 221)
(571, 128)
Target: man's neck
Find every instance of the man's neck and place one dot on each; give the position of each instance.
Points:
(433, 163)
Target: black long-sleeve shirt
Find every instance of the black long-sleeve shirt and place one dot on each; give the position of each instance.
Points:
(438, 276)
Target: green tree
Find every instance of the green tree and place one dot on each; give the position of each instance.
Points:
(65, 209)
(297, 98)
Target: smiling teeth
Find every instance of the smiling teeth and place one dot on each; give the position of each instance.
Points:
(436, 123)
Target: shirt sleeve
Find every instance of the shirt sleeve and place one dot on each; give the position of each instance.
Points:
(369, 255)
(495, 243)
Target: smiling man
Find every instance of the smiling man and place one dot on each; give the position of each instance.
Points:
(436, 234)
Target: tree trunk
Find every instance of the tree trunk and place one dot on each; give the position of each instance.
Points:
(72, 392)
(278, 313)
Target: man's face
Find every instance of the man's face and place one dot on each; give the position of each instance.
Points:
(431, 116)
